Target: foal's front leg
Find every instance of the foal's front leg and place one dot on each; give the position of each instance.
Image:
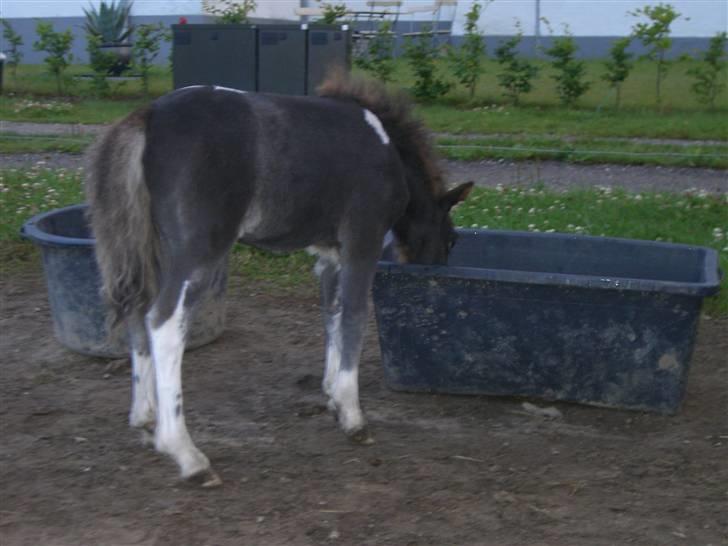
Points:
(344, 347)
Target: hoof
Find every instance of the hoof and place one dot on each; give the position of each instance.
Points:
(207, 479)
(361, 437)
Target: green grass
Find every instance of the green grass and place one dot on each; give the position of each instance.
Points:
(637, 92)
(540, 113)
(695, 218)
(585, 151)
(557, 121)
(34, 80)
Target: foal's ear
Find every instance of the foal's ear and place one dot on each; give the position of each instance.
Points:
(456, 195)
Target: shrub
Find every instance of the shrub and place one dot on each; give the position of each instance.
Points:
(109, 23)
(146, 48)
(57, 45)
(517, 72)
(655, 36)
(467, 60)
(708, 73)
(421, 54)
(569, 76)
(14, 40)
(231, 11)
(618, 66)
(379, 56)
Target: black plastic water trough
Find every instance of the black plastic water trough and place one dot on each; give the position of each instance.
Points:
(72, 276)
(601, 321)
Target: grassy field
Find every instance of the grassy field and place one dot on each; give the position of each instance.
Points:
(585, 151)
(699, 219)
(30, 97)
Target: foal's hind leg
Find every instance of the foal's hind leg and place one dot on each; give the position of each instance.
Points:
(167, 324)
(143, 412)
(327, 269)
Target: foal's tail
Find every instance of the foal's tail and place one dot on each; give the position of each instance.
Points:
(120, 215)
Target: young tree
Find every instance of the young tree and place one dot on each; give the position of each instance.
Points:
(58, 47)
(618, 66)
(379, 56)
(146, 48)
(569, 76)
(708, 73)
(14, 40)
(655, 36)
(101, 63)
(421, 55)
(467, 60)
(517, 72)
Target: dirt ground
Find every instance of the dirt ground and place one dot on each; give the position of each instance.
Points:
(445, 470)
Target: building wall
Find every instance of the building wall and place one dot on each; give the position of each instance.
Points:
(595, 23)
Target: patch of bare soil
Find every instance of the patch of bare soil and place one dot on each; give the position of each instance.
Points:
(445, 470)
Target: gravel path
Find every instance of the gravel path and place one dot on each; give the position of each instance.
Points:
(552, 174)
(555, 175)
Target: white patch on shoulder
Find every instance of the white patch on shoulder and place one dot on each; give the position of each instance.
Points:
(230, 89)
(373, 120)
(192, 87)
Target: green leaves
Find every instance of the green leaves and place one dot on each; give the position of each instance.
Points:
(707, 74)
(58, 47)
(518, 72)
(14, 40)
(655, 36)
(421, 54)
(378, 58)
(467, 60)
(109, 23)
(569, 76)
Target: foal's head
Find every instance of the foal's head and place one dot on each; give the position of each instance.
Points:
(428, 238)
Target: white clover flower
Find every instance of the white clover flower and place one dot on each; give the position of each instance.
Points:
(532, 210)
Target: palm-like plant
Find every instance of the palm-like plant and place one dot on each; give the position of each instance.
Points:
(109, 22)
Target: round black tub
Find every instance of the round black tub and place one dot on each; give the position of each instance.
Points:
(79, 314)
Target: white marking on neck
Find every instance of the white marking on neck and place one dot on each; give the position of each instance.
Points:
(229, 89)
(373, 120)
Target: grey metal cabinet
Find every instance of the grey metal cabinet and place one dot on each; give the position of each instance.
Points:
(289, 59)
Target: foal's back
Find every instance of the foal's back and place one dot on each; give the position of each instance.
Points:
(284, 171)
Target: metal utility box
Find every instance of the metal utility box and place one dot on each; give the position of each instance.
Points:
(282, 60)
(288, 59)
(596, 320)
(327, 47)
(215, 55)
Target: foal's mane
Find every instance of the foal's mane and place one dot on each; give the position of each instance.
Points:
(394, 110)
